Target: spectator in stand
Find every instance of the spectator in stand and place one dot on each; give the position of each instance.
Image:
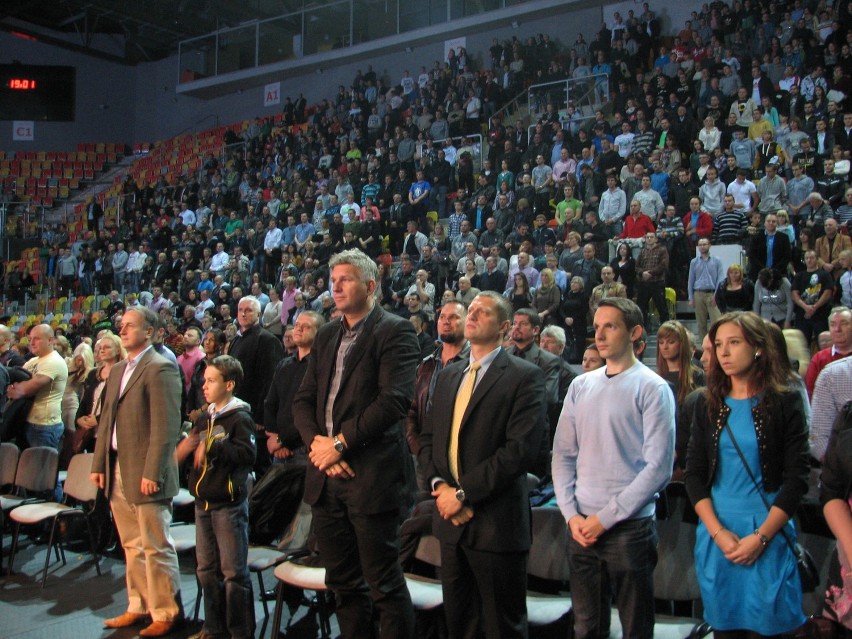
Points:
(705, 275)
(636, 224)
(735, 292)
(769, 249)
(813, 290)
(651, 269)
(259, 352)
(840, 329)
(712, 192)
(830, 246)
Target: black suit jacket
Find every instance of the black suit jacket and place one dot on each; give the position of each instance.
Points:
(500, 434)
(781, 254)
(375, 393)
(495, 281)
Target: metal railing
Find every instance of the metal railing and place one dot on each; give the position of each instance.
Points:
(514, 107)
(475, 149)
(223, 154)
(583, 93)
(22, 220)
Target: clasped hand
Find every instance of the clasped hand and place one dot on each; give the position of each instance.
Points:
(743, 551)
(586, 530)
(324, 456)
(449, 507)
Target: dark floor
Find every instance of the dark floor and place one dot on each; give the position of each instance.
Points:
(75, 601)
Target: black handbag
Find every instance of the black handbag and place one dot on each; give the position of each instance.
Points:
(808, 571)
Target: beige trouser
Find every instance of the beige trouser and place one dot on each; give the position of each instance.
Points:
(153, 575)
(705, 307)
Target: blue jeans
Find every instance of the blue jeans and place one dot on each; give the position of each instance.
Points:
(132, 282)
(50, 435)
(620, 566)
(221, 549)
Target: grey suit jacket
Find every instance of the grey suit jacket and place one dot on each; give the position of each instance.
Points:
(147, 421)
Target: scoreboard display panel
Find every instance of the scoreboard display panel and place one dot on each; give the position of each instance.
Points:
(36, 92)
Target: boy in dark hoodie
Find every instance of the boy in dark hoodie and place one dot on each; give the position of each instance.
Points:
(222, 446)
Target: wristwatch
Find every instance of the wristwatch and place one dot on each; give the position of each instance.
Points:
(338, 445)
(460, 494)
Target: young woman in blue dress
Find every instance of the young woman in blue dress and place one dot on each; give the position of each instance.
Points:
(745, 499)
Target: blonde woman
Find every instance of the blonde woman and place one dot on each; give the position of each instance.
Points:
(547, 298)
(80, 364)
(784, 225)
(107, 353)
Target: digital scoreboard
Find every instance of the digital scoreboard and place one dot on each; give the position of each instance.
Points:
(36, 92)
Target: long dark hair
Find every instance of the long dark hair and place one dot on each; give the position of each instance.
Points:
(770, 279)
(686, 374)
(767, 373)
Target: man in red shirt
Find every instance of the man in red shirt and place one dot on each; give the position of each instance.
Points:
(637, 223)
(696, 224)
(840, 327)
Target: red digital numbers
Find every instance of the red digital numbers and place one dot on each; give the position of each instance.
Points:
(22, 84)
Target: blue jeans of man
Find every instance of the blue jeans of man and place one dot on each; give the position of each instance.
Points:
(221, 548)
(118, 281)
(619, 565)
(49, 435)
(132, 281)
(87, 283)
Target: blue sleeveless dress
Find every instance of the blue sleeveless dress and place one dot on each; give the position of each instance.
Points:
(765, 597)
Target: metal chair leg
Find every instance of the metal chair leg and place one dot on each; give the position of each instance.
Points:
(322, 612)
(15, 547)
(263, 602)
(50, 544)
(92, 545)
(276, 617)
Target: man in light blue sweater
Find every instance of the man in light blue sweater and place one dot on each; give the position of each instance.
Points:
(612, 453)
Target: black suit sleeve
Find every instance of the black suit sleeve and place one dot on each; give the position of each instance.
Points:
(399, 354)
(525, 402)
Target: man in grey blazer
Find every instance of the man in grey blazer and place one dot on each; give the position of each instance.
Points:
(134, 464)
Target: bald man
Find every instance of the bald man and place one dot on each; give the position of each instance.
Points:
(46, 386)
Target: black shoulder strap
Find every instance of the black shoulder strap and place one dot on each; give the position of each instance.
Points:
(754, 481)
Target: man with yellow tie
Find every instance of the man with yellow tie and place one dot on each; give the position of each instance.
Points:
(476, 449)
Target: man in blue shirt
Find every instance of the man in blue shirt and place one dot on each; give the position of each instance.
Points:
(610, 459)
(418, 196)
(705, 273)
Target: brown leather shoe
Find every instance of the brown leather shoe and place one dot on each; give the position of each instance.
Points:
(126, 619)
(160, 628)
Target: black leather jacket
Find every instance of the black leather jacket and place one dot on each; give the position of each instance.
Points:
(782, 438)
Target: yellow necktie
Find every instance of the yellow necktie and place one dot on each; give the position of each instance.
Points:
(462, 400)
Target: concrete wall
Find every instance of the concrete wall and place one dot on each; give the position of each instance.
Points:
(175, 113)
(139, 104)
(105, 98)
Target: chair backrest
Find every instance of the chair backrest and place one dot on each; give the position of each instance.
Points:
(674, 576)
(548, 558)
(37, 468)
(8, 463)
(429, 550)
(78, 484)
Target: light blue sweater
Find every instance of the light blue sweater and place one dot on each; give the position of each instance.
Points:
(614, 445)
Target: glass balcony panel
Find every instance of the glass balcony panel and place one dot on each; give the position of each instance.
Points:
(198, 58)
(237, 49)
(327, 28)
(280, 39)
(373, 19)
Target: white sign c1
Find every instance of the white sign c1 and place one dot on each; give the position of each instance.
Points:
(23, 130)
(272, 94)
